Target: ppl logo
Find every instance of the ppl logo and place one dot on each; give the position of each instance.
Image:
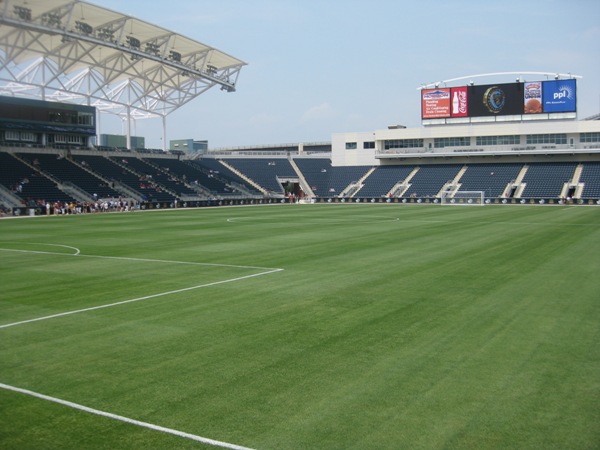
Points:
(559, 96)
(564, 92)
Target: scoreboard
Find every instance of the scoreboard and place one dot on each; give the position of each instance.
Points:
(533, 97)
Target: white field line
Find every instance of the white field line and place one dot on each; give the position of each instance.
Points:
(146, 297)
(125, 419)
(125, 258)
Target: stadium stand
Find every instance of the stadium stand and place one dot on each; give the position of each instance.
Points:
(383, 179)
(341, 178)
(492, 179)
(39, 177)
(190, 175)
(66, 170)
(590, 177)
(264, 171)
(316, 173)
(429, 180)
(219, 171)
(547, 179)
(149, 179)
(28, 183)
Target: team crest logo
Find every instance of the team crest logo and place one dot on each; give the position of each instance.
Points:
(494, 99)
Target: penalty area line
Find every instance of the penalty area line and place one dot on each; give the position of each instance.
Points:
(146, 297)
(138, 423)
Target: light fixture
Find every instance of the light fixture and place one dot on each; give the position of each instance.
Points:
(23, 13)
(83, 27)
(134, 42)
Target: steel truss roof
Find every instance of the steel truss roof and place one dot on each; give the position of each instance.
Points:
(74, 51)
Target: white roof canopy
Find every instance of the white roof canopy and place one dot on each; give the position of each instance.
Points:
(74, 51)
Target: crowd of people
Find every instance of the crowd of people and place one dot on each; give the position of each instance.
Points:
(98, 206)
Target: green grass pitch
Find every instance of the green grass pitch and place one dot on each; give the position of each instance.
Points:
(303, 327)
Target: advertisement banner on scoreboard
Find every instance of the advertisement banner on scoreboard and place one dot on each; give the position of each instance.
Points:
(495, 99)
(559, 96)
(532, 97)
(435, 103)
(460, 107)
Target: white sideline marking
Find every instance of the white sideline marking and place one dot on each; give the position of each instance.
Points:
(124, 419)
(267, 271)
(133, 259)
(176, 291)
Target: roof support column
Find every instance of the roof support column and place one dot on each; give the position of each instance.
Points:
(98, 127)
(128, 127)
(164, 130)
(128, 142)
(44, 78)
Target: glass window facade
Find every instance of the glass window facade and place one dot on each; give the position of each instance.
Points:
(452, 142)
(589, 137)
(498, 140)
(402, 143)
(546, 138)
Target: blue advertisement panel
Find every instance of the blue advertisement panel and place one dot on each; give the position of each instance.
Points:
(559, 96)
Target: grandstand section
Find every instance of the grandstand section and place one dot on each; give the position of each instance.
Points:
(498, 179)
(590, 180)
(167, 180)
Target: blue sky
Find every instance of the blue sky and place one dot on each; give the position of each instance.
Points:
(322, 67)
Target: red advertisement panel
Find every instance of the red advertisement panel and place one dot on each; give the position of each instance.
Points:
(459, 102)
(435, 103)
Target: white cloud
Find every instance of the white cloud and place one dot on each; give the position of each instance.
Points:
(319, 112)
(262, 119)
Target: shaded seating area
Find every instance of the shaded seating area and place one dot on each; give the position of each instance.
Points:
(197, 175)
(317, 172)
(342, 177)
(546, 180)
(590, 177)
(383, 179)
(105, 168)
(36, 177)
(219, 171)
(264, 171)
(490, 178)
(27, 183)
(65, 170)
(191, 175)
(148, 179)
(169, 180)
(429, 180)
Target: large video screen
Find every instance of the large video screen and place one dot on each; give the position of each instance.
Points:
(495, 99)
(533, 97)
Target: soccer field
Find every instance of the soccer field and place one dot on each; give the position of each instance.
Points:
(378, 326)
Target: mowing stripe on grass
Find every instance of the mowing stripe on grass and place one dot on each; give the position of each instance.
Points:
(126, 258)
(125, 419)
(146, 297)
